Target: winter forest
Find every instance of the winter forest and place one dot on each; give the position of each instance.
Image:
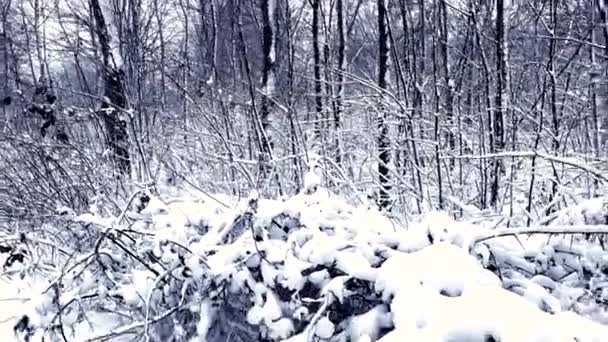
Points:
(304, 170)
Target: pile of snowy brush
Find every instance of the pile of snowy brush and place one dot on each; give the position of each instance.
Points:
(314, 268)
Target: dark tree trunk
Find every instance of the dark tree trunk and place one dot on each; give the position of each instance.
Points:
(115, 100)
(602, 7)
(555, 143)
(447, 83)
(501, 97)
(267, 47)
(317, 68)
(384, 146)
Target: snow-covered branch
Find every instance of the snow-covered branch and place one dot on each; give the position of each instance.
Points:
(530, 154)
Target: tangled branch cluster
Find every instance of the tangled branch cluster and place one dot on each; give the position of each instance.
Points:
(310, 267)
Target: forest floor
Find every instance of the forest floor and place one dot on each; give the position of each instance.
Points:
(315, 265)
(11, 305)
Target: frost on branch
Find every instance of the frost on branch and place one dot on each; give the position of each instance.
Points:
(314, 268)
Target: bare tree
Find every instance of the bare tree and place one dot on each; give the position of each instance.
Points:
(555, 120)
(268, 51)
(501, 97)
(384, 143)
(602, 125)
(113, 110)
(318, 86)
(447, 82)
(339, 77)
(221, 91)
(594, 89)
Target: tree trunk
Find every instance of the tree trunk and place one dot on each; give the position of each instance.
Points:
(115, 100)
(293, 129)
(411, 70)
(501, 98)
(339, 78)
(447, 83)
(316, 4)
(597, 124)
(602, 6)
(436, 109)
(555, 121)
(384, 146)
(268, 55)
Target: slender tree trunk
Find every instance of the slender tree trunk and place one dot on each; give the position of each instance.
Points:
(501, 98)
(115, 98)
(602, 6)
(447, 82)
(290, 97)
(38, 14)
(596, 135)
(268, 55)
(316, 4)
(384, 146)
(436, 122)
(410, 69)
(327, 20)
(185, 68)
(339, 78)
(163, 63)
(422, 58)
(555, 121)
(214, 45)
(487, 103)
(4, 44)
(596, 74)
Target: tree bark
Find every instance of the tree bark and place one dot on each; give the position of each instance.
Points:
(436, 120)
(501, 98)
(267, 51)
(339, 78)
(555, 120)
(602, 6)
(597, 124)
(316, 4)
(447, 82)
(384, 146)
(115, 100)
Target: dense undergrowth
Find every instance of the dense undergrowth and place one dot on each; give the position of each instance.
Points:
(308, 267)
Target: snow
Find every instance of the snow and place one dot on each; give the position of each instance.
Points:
(206, 317)
(367, 326)
(312, 178)
(13, 302)
(484, 310)
(324, 328)
(314, 265)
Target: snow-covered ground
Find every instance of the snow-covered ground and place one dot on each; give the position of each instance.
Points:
(9, 310)
(13, 302)
(315, 267)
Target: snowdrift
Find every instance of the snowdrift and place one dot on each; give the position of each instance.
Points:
(314, 268)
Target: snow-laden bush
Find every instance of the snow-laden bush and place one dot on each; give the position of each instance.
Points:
(314, 268)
